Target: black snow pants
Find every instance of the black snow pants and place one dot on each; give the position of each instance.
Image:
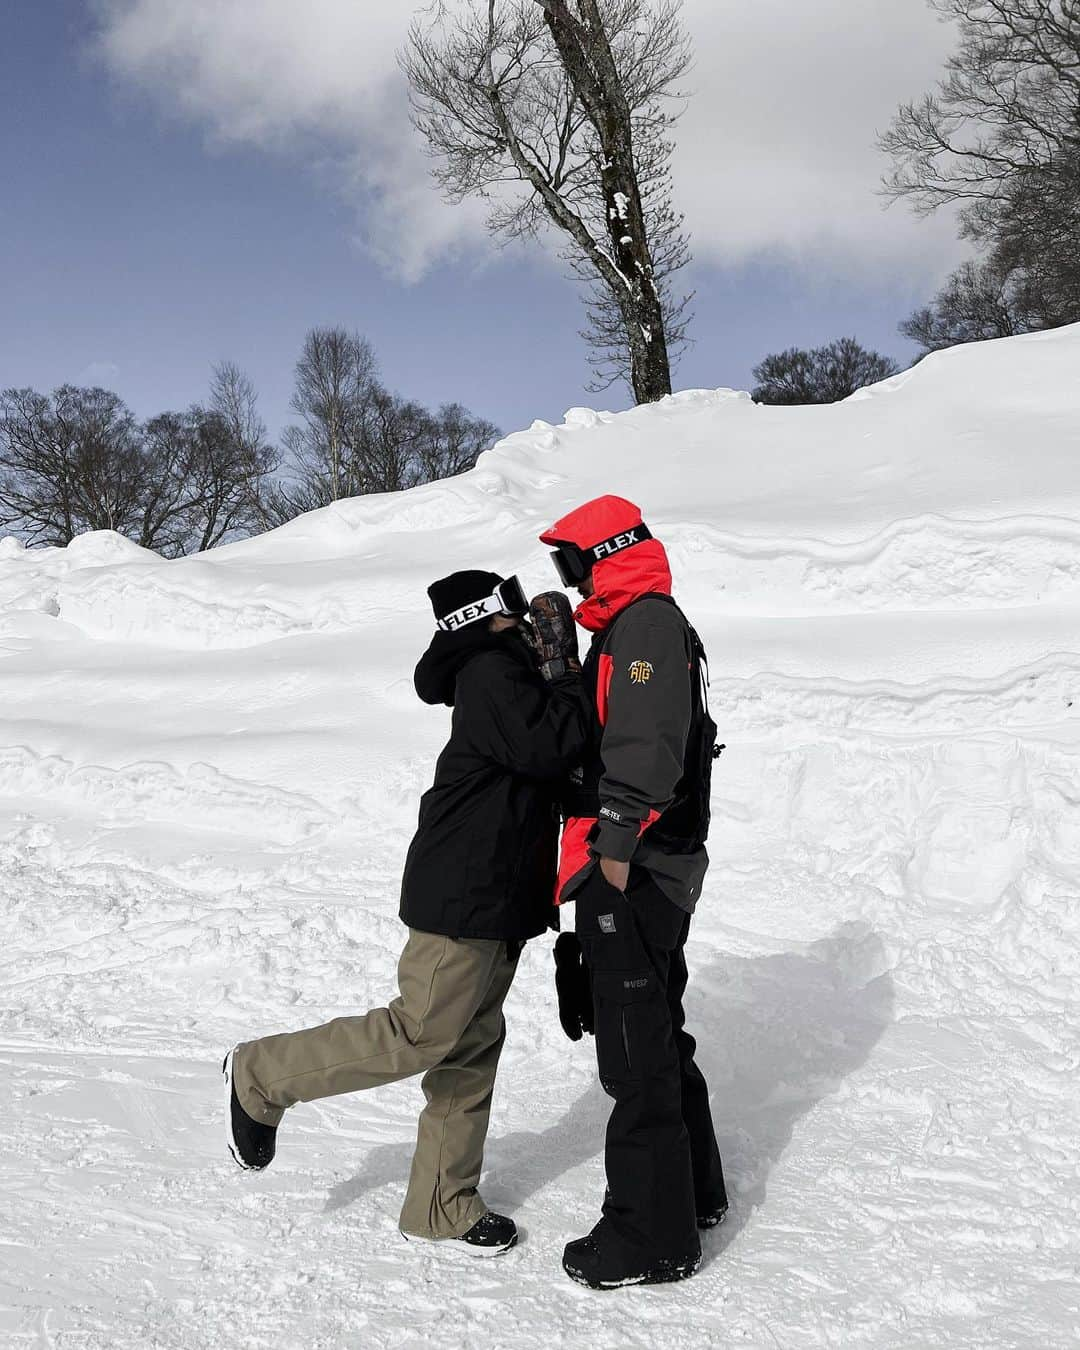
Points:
(662, 1161)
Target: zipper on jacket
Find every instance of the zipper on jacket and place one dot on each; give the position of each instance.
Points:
(626, 1041)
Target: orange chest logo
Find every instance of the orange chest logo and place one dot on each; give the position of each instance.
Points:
(641, 672)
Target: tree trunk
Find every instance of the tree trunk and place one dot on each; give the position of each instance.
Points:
(650, 368)
(587, 57)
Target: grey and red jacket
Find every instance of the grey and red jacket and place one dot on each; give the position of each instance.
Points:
(639, 673)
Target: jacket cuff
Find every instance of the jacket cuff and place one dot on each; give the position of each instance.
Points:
(559, 670)
(616, 839)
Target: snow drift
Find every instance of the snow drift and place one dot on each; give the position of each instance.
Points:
(209, 771)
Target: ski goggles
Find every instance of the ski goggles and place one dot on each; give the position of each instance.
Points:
(574, 564)
(507, 599)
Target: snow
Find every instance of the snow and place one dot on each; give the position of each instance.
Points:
(209, 773)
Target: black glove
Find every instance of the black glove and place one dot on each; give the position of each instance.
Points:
(573, 987)
(556, 635)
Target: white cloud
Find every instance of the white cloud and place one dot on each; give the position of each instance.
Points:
(776, 152)
(318, 80)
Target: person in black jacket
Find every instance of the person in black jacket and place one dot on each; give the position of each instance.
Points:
(479, 882)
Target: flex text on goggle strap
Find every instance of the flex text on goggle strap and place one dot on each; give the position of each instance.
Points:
(468, 614)
(618, 542)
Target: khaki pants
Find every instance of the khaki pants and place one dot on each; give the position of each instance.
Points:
(446, 1023)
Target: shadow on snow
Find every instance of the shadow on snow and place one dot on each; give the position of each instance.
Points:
(776, 1034)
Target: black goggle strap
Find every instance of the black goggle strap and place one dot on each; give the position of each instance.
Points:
(574, 564)
(508, 599)
(617, 543)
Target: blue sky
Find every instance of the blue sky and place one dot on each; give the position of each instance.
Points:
(142, 238)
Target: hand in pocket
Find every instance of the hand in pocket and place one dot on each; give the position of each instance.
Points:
(616, 873)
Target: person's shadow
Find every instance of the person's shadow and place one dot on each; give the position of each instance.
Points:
(775, 1035)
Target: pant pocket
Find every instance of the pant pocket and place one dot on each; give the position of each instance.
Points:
(627, 1006)
(606, 928)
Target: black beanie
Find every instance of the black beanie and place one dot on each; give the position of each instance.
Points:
(454, 592)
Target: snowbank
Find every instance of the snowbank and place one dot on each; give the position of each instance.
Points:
(209, 772)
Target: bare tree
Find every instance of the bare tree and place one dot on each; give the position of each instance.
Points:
(575, 103)
(227, 476)
(396, 444)
(69, 463)
(978, 302)
(404, 445)
(335, 375)
(391, 431)
(453, 441)
(1008, 108)
(187, 481)
(1000, 141)
(201, 485)
(234, 400)
(357, 437)
(78, 461)
(169, 498)
(822, 375)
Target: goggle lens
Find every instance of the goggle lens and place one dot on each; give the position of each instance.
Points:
(512, 598)
(571, 564)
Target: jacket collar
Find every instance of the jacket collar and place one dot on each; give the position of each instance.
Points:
(621, 580)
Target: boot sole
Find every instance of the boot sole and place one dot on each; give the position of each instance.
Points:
(673, 1276)
(453, 1249)
(234, 1150)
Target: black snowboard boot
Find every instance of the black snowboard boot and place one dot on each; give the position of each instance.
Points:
(251, 1143)
(491, 1235)
(713, 1216)
(600, 1263)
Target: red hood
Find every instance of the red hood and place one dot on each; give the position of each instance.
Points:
(624, 576)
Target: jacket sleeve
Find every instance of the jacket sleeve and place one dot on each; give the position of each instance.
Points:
(649, 708)
(537, 731)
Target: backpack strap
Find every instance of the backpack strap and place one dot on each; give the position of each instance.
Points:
(702, 656)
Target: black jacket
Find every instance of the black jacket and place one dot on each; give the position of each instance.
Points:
(483, 862)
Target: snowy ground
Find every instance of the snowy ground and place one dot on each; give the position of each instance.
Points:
(209, 773)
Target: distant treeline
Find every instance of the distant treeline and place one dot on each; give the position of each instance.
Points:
(78, 459)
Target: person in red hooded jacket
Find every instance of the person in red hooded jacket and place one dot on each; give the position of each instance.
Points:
(633, 861)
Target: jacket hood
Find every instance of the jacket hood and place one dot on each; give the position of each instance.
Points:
(622, 578)
(435, 677)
